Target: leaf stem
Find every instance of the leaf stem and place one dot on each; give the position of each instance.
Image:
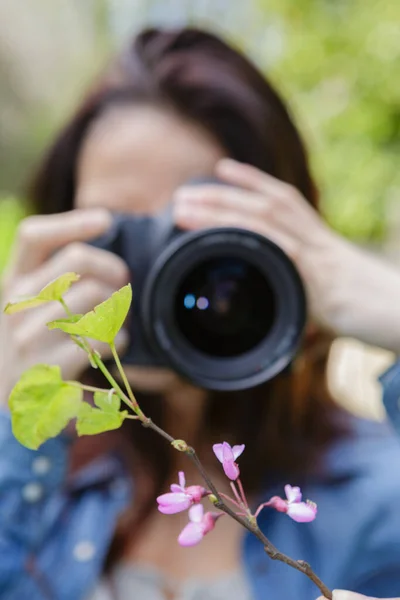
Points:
(99, 363)
(96, 362)
(65, 307)
(124, 378)
(87, 388)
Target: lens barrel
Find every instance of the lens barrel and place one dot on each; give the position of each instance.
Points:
(225, 307)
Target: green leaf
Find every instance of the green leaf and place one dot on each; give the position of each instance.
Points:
(106, 417)
(67, 321)
(41, 405)
(103, 322)
(53, 292)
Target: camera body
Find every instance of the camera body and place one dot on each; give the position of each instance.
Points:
(140, 240)
(223, 307)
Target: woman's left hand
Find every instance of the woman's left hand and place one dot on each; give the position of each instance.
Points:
(350, 291)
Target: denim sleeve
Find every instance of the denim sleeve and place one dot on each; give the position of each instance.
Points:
(385, 584)
(29, 502)
(390, 381)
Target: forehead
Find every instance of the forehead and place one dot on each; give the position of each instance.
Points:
(134, 157)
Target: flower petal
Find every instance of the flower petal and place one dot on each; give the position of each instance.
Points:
(196, 492)
(182, 479)
(209, 521)
(302, 512)
(217, 448)
(231, 469)
(237, 450)
(169, 504)
(196, 513)
(177, 489)
(191, 535)
(227, 453)
(293, 494)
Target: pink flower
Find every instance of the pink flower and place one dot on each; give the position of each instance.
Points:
(227, 456)
(302, 512)
(200, 524)
(181, 497)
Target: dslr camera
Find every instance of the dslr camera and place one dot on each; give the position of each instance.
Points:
(224, 307)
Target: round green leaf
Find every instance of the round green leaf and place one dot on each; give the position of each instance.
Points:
(105, 417)
(41, 405)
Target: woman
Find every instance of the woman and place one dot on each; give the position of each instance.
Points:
(171, 108)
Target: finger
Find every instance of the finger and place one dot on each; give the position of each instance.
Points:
(39, 236)
(87, 261)
(292, 205)
(225, 197)
(250, 177)
(292, 216)
(202, 217)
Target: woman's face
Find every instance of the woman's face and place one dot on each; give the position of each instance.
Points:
(133, 159)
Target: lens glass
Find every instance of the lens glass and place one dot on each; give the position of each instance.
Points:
(224, 307)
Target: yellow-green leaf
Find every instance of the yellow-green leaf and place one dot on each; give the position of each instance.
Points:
(103, 322)
(105, 417)
(41, 405)
(54, 291)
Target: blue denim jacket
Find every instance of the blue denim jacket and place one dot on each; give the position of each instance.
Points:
(54, 536)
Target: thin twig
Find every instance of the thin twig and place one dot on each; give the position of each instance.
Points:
(247, 521)
(146, 422)
(252, 526)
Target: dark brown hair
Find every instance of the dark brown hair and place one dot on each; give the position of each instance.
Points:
(288, 422)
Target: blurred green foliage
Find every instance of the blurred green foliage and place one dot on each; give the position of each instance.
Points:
(11, 211)
(336, 61)
(339, 66)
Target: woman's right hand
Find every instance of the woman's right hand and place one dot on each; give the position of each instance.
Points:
(24, 338)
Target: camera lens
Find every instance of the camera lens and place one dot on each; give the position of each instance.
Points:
(224, 307)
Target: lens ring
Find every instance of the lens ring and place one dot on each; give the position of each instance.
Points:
(254, 367)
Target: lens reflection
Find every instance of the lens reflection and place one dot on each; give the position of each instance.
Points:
(224, 307)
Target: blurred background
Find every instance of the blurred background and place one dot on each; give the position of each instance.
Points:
(336, 61)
